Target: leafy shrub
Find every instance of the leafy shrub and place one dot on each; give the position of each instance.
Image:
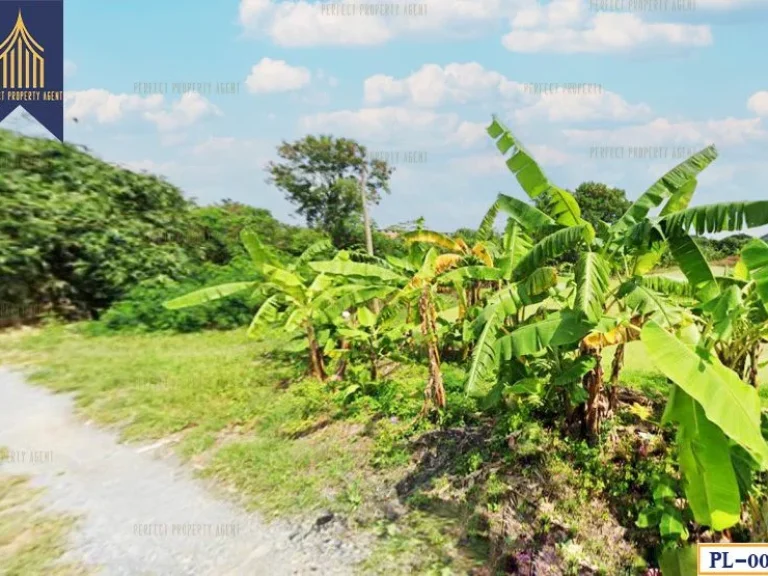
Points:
(77, 232)
(220, 224)
(142, 308)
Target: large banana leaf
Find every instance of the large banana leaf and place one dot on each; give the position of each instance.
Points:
(336, 300)
(647, 261)
(508, 297)
(644, 301)
(669, 184)
(530, 218)
(445, 262)
(351, 269)
(695, 267)
(259, 253)
(516, 244)
(527, 172)
(472, 273)
(429, 268)
(549, 247)
(319, 247)
(282, 277)
(680, 199)
(562, 206)
(711, 218)
(484, 354)
(481, 252)
(592, 281)
(559, 329)
(705, 460)
(679, 561)
(436, 238)
(664, 285)
(755, 258)
(731, 404)
(265, 315)
(538, 282)
(725, 310)
(207, 295)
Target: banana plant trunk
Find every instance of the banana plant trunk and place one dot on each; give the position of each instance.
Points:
(316, 361)
(373, 356)
(341, 368)
(618, 364)
(434, 393)
(593, 384)
(754, 360)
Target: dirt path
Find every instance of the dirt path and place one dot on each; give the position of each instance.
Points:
(142, 513)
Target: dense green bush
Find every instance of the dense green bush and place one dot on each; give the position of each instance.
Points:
(717, 249)
(142, 309)
(217, 237)
(77, 232)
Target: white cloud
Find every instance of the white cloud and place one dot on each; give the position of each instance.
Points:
(494, 163)
(460, 83)
(559, 26)
(353, 23)
(568, 26)
(663, 132)
(412, 128)
(565, 106)
(190, 108)
(433, 85)
(758, 103)
(106, 107)
(276, 76)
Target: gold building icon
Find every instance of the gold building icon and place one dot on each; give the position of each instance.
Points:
(21, 59)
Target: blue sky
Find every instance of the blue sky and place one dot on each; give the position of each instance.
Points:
(427, 82)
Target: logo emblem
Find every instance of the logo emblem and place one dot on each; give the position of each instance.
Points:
(32, 61)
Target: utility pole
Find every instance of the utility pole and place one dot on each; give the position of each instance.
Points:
(367, 221)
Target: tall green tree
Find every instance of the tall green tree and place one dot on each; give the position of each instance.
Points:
(598, 202)
(321, 176)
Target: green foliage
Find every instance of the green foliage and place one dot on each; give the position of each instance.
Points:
(220, 225)
(321, 175)
(76, 232)
(598, 202)
(142, 309)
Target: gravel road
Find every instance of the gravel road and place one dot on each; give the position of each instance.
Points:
(142, 512)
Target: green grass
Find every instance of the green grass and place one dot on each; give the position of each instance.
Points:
(32, 540)
(234, 408)
(243, 416)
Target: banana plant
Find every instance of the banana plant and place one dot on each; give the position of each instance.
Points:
(719, 437)
(457, 249)
(375, 335)
(415, 290)
(297, 299)
(731, 310)
(612, 296)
